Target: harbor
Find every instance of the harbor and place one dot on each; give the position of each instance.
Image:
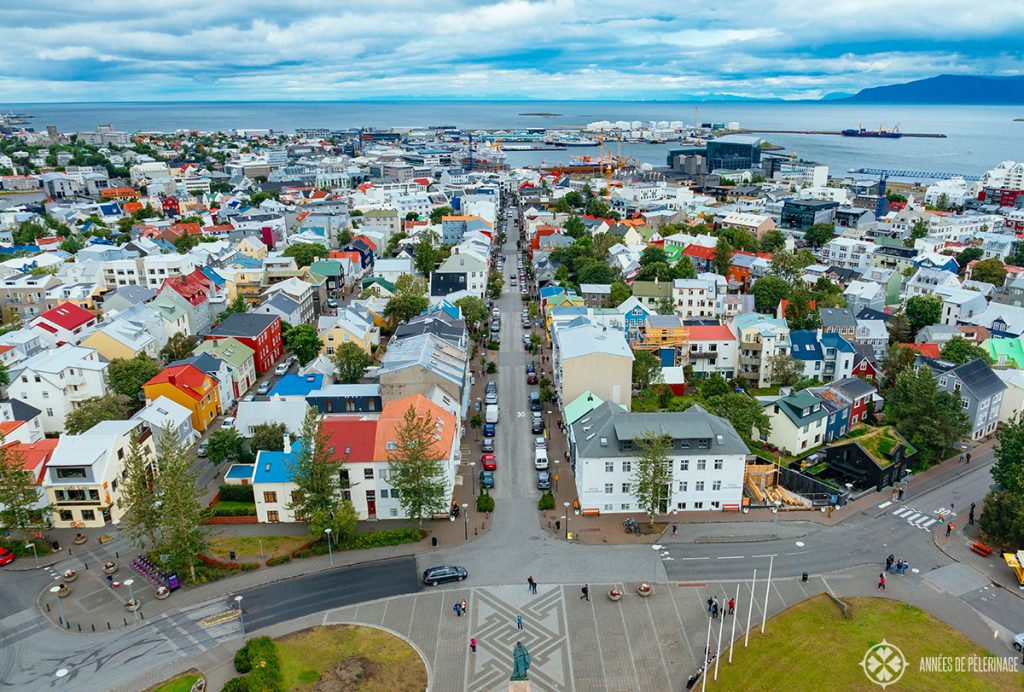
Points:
(842, 133)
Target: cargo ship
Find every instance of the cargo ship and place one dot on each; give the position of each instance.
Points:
(894, 133)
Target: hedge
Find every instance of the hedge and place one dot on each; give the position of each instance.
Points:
(361, 541)
(230, 508)
(279, 560)
(546, 501)
(484, 502)
(237, 493)
(259, 660)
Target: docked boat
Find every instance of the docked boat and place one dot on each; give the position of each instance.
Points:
(881, 132)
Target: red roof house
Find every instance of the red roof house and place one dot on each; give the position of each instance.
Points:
(65, 324)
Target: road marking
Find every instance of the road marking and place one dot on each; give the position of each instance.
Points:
(730, 557)
(694, 558)
(911, 517)
(928, 523)
(922, 519)
(884, 505)
(772, 555)
(901, 511)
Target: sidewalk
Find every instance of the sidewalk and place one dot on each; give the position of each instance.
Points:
(958, 547)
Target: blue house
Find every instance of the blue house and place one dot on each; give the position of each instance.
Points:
(942, 262)
(634, 316)
(837, 423)
(346, 398)
(297, 385)
(825, 357)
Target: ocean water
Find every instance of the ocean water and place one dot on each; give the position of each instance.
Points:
(977, 137)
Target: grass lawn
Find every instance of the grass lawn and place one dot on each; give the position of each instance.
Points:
(390, 664)
(249, 546)
(812, 646)
(182, 683)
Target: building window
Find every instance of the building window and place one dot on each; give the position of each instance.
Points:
(702, 464)
(716, 485)
(625, 507)
(609, 488)
(609, 467)
(273, 517)
(702, 444)
(393, 512)
(70, 472)
(66, 515)
(88, 515)
(383, 493)
(698, 505)
(627, 466)
(718, 464)
(684, 465)
(716, 504)
(682, 486)
(608, 508)
(368, 474)
(625, 488)
(270, 497)
(680, 505)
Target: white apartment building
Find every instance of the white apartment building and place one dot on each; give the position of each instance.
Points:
(55, 381)
(149, 170)
(693, 298)
(847, 253)
(707, 459)
(122, 272)
(158, 268)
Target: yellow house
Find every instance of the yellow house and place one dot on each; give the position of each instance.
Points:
(121, 339)
(243, 281)
(346, 328)
(252, 247)
(190, 387)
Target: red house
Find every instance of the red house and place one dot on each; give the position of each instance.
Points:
(195, 287)
(261, 333)
(864, 368)
(65, 324)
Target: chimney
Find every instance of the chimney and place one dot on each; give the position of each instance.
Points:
(172, 379)
(287, 443)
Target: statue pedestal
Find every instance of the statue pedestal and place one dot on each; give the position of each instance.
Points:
(519, 686)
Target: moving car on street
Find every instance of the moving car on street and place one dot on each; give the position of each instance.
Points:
(6, 557)
(445, 573)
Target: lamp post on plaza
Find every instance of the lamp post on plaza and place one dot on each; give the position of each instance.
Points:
(465, 514)
(472, 472)
(566, 505)
(55, 590)
(330, 549)
(131, 594)
(241, 621)
(556, 475)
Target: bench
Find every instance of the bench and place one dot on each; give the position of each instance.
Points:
(730, 508)
(590, 512)
(981, 549)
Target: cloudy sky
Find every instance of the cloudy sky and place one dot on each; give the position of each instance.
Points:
(113, 50)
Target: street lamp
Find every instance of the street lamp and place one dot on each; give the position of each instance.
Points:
(131, 594)
(775, 511)
(238, 602)
(799, 568)
(657, 553)
(34, 554)
(556, 475)
(330, 549)
(472, 472)
(55, 590)
(913, 590)
(566, 505)
(465, 515)
(61, 674)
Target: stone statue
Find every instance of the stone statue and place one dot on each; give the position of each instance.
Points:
(520, 662)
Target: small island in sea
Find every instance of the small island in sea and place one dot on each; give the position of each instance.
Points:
(543, 115)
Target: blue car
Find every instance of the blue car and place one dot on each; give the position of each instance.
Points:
(487, 479)
(489, 429)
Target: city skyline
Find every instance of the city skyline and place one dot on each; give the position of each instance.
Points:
(110, 50)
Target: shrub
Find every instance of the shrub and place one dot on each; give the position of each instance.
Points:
(242, 664)
(491, 367)
(484, 502)
(279, 560)
(236, 493)
(234, 509)
(377, 539)
(259, 659)
(546, 501)
(235, 685)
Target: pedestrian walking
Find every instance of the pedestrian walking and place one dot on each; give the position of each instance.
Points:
(968, 457)
(464, 606)
(693, 679)
(675, 530)
(903, 568)
(732, 606)
(519, 621)
(531, 585)
(110, 581)
(961, 458)
(895, 490)
(458, 608)
(711, 602)
(472, 644)
(970, 515)
(949, 529)
(585, 593)
(952, 506)
(900, 498)
(881, 581)
(888, 562)
(714, 611)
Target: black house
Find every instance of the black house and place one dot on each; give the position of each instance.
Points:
(878, 457)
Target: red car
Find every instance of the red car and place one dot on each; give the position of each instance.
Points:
(488, 462)
(6, 557)
(531, 378)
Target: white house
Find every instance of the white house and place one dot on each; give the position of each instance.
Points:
(56, 381)
(707, 459)
(797, 423)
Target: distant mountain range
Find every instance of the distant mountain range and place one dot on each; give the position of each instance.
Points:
(946, 88)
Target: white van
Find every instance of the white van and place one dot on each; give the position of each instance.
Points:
(540, 459)
(491, 414)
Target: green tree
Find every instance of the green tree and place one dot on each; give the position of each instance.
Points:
(799, 313)
(351, 361)
(646, 370)
(652, 254)
(72, 244)
(967, 256)
(177, 347)
(415, 467)
(226, 444)
(665, 306)
(408, 301)
(899, 328)
(897, 359)
(820, 234)
(474, 311)
(684, 269)
(5, 375)
(1002, 519)
(141, 518)
(960, 350)
(990, 271)
(18, 490)
(744, 412)
(827, 294)
(651, 474)
(303, 341)
(620, 293)
(713, 386)
(769, 291)
(659, 271)
(723, 256)
(317, 477)
(268, 437)
(598, 272)
(785, 370)
(96, 410)
(305, 253)
(186, 242)
(932, 420)
(1008, 469)
(574, 227)
(437, 213)
(790, 265)
(773, 241)
(126, 376)
(236, 306)
(425, 255)
(182, 532)
(923, 311)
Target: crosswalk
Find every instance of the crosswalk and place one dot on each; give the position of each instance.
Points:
(921, 519)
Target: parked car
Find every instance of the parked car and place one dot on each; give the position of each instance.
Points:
(488, 461)
(489, 429)
(543, 480)
(540, 459)
(531, 377)
(487, 479)
(1018, 640)
(439, 575)
(332, 304)
(263, 388)
(491, 398)
(6, 557)
(281, 369)
(492, 386)
(488, 445)
(535, 402)
(540, 442)
(201, 450)
(496, 313)
(538, 424)
(229, 422)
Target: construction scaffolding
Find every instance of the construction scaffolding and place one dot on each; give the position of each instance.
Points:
(762, 484)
